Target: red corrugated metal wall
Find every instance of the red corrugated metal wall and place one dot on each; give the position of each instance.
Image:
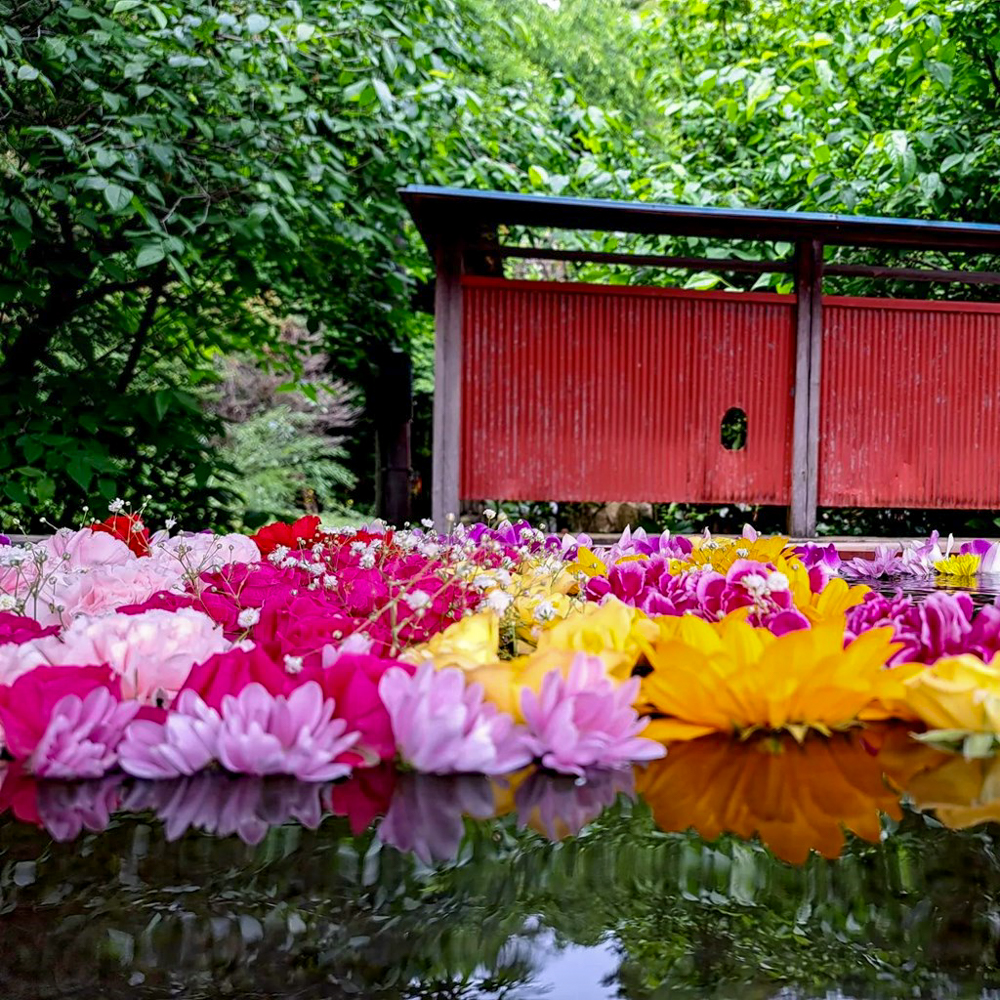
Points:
(596, 392)
(909, 404)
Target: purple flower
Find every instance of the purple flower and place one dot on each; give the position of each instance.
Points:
(887, 562)
(263, 734)
(586, 720)
(255, 733)
(988, 552)
(425, 816)
(443, 726)
(82, 736)
(183, 744)
(4, 540)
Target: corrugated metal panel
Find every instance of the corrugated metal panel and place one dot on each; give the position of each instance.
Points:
(909, 404)
(590, 392)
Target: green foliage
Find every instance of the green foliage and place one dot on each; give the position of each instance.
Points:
(282, 462)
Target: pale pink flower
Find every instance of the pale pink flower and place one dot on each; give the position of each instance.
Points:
(152, 652)
(104, 589)
(67, 809)
(586, 720)
(183, 744)
(68, 550)
(202, 552)
(82, 737)
(444, 726)
(559, 806)
(263, 734)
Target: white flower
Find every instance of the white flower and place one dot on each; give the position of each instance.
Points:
(754, 583)
(7, 603)
(777, 581)
(743, 553)
(482, 582)
(116, 505)
(170, 522)
(329, 581)
(544, 611)
(427, 522)
(417, 599)
(367, 561)
(279, 553)
(489, 513)
(293, 664)
(498, 601)
(248, 617)
(357, 547)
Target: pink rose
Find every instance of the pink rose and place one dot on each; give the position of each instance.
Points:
(230, 672)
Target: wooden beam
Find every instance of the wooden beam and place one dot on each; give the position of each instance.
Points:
(805, 426)
(913, 274)
(447, 381)
(649, 260)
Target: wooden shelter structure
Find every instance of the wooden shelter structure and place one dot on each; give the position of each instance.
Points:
(572, 391)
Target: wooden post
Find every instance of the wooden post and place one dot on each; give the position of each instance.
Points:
(395, 414)
(447, 380)
(808, 351)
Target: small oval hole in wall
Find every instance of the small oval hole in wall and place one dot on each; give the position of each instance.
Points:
(734, 429)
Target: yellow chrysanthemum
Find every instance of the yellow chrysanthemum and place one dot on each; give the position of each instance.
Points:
(467, 644)
(612, 630)
(958, 693)
(721, 553)
(730, 677)
(958, 566)
(795, 797)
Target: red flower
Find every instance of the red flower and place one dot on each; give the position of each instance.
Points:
(127, 528)
(300, 535)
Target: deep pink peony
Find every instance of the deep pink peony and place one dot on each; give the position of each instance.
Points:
(304, 624)
(444, 726)
(230, 672)
(162, 600)
(65, 722)
(17, 629)
(352, 680)
(586, 720)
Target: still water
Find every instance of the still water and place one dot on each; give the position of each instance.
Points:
(862, 866)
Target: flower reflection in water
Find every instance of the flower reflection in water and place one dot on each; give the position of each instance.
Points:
(794, 797)
(961, 792)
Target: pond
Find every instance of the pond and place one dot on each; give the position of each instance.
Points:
(862, 866)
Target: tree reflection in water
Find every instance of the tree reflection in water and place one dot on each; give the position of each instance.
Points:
(712, 873)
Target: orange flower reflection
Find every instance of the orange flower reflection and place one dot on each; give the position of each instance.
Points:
(962, 793)
(794, 797)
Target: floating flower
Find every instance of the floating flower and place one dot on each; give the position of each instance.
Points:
(65, 722)
(731, 677)
(443, 726)
(585, 720)
(960, 566)
(300, 535)
(957, 695)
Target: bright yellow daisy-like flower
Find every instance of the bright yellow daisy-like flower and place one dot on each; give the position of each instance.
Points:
(731, 677)
(958, 566)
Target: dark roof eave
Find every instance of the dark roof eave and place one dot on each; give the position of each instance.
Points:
(437, 210)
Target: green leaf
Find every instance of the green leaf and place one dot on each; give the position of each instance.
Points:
(45, 488)
(124, 5)
(80, 471)
(150, 254)
(538, 176)
(117, 197)
(383, 93)
(16, 493)
(256, 23)
(21, 213)
(161, 402)
(32, 449)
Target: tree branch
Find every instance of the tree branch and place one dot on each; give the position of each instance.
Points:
(158, 280)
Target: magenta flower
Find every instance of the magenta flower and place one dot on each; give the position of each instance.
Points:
(443, 726)
(298, 735)
(17, 629)
(65, 722)
(586, 720)
(230, 672)
(887, 562)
